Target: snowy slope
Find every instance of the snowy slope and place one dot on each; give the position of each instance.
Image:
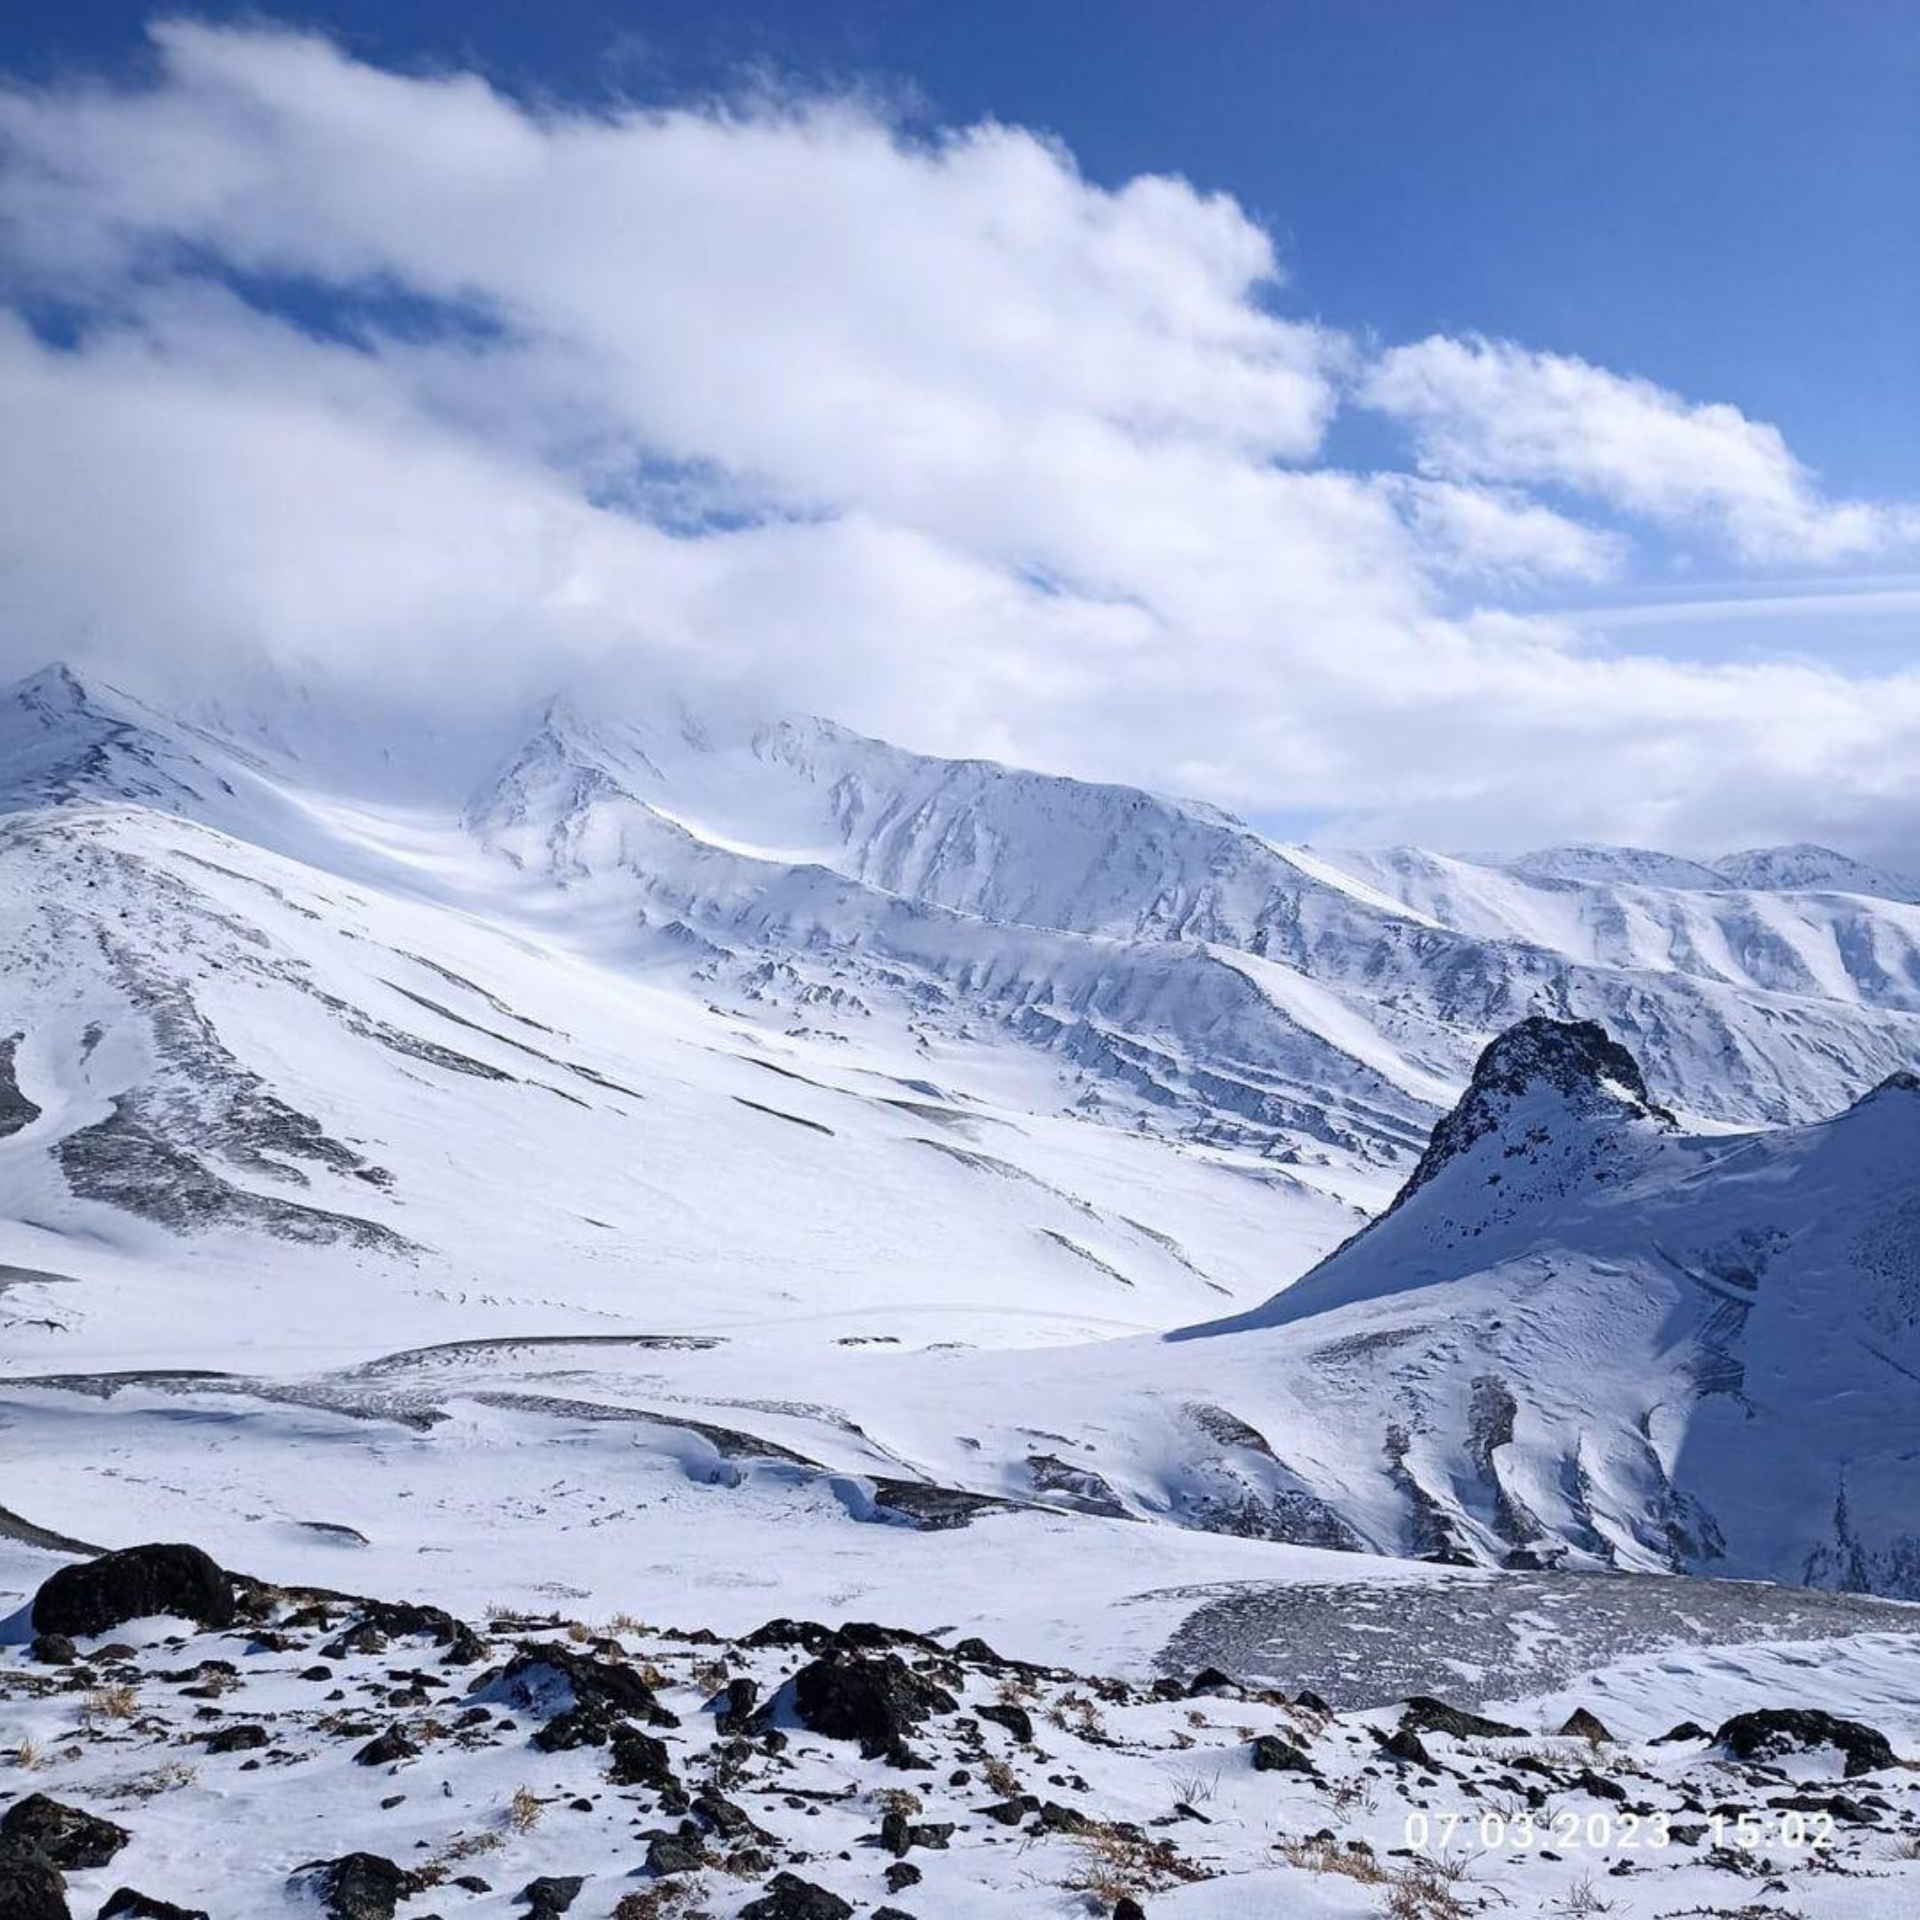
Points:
(884, 1111)
(1804, 868)
(1602, 1337)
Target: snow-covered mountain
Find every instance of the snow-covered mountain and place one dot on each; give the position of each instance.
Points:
(880, 1113)
(1594, 1335)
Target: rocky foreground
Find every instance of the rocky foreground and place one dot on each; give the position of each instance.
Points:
(189, 1742)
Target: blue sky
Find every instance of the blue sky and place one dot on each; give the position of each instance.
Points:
(1552, 363)
(1722, 195)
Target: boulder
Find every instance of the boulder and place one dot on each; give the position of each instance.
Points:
(71, 1839)
(135, 1583)
(641, 1760)
(876, 1700)
(127, 1904)
(551, 1895)
(1424, 1714)
(1582, 1725)
(788, 1897)
(1271, 1754)
(31, 1886)
(1774, 1731)
(357, 1886)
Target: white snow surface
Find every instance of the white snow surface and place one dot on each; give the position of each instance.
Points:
(484, 1134)
(711, 1166)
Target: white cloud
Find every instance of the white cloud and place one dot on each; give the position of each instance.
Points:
(935, 436)
(1491, 410)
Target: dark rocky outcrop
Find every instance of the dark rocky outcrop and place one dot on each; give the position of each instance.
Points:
(357, 1886)
(31, 1886)
(788, 1897)
(16, 1110)
(1774, 1731)
(1270, 1754)
(876, 1700)
(1424, 1714)
(135, 1583)
(551, 1895)
(72, 1839)
(125, 1903)
(586, 1698)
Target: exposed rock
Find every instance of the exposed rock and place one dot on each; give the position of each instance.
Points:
(31, 1886)
(877, 1701)
(357, 1886)
(1271, 1754)
(1016, 1719)
(788, 1897)
(1424, 1714)
(1774, 1731)
(1577, 1059)
(72, 1839)
(127, 1904)
(387, 1748)
(1582, 1725)
(552, 1894)
(240, 1739)
(135, 1583)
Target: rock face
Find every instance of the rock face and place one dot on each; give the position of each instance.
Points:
(16, 1110)
(1576, 1060)
(1774, 1731)
(72, 1839)
(135, 1584)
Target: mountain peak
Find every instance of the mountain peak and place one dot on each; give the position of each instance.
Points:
(1540, 1064)
(55, 686)
(1900, 1085)
(1806, 867)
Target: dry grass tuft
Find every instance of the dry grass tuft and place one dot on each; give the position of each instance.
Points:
(1120, 1863)
(108, 1703)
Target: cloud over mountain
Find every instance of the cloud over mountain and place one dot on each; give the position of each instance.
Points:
(401, 374)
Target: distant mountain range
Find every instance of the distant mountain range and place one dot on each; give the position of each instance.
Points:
(325, 1045)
